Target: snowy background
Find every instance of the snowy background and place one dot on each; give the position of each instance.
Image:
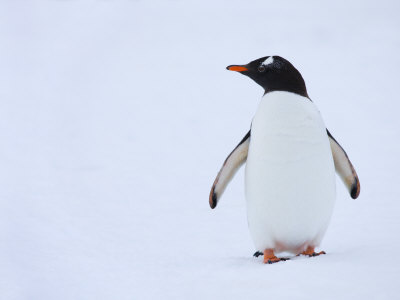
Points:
(115, 117)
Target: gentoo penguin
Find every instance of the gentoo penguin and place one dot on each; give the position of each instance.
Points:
(291, 160)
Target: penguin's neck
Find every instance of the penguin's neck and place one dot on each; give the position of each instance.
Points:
(293, 83)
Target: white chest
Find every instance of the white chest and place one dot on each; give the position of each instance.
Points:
(290, 179)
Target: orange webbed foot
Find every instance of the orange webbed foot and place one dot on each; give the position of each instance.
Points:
(270, 258)
(310, 252)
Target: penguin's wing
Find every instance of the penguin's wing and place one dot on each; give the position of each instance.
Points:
(344, 167)
(231, 164)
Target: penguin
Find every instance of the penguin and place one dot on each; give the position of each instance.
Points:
(291, 159)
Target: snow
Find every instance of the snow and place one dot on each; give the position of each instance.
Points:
(112, 137)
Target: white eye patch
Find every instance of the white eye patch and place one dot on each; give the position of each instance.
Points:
(268, 61)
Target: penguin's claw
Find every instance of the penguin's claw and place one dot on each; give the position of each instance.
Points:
(285, 258)
(257, 254)
(317, 254)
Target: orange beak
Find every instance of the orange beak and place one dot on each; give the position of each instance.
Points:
(237, 68)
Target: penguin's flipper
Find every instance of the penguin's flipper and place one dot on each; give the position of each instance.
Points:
(232, 163)
(344, 167)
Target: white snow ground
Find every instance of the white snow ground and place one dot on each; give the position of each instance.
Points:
(116, 116)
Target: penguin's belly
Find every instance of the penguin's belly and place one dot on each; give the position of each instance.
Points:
(290, 175)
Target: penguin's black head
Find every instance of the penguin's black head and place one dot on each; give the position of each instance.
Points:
(273, 73)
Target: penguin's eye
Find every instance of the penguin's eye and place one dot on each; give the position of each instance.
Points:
(261, 68)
